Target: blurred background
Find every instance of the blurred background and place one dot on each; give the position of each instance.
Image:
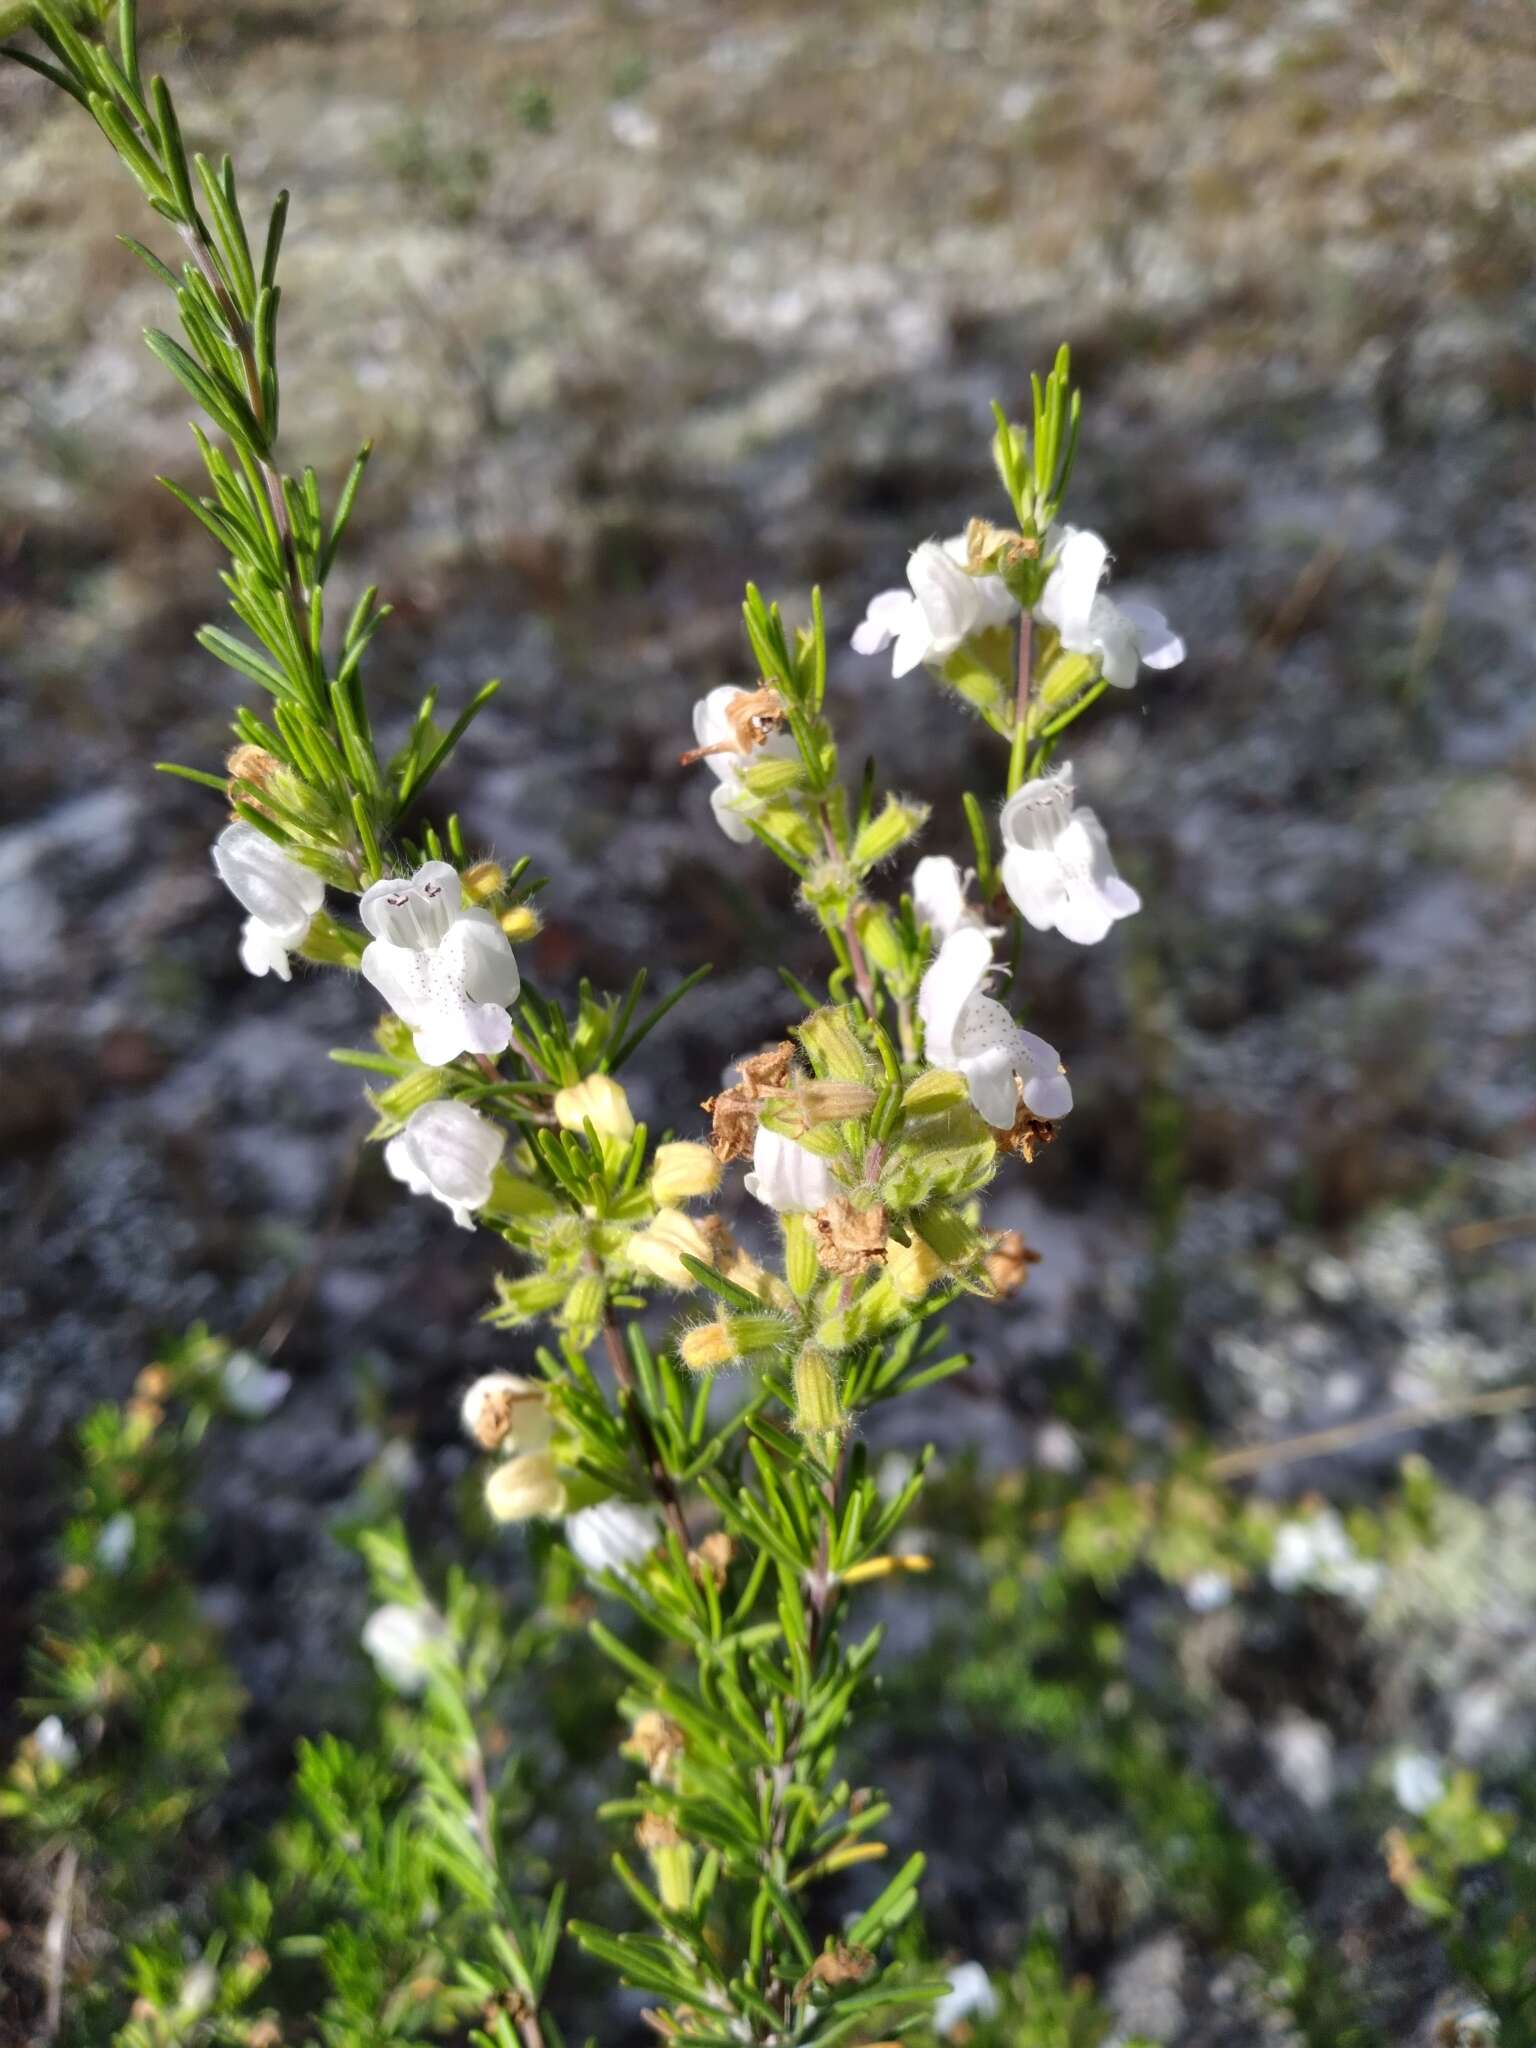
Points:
(639, 301)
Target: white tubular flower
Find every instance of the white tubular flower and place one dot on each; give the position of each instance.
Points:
(280, 895)
(1121, 636)
(251, 1388)
(400, 1641)
(1318, 1555)
(970, 1033)
(720, 744)
(787, 1176)
(612, 1537)
(450, 1152)
(447, 971)
(114, 1544)
(1057, 866)
(1418, 1782)
(970, 1997)
(55, 1744)
(939, 887)
(945, 605)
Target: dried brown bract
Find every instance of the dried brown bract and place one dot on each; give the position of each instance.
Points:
(837, 1966)
(1008, 1263)
(850, 1240)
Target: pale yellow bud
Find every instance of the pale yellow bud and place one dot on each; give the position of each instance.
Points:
(521, 923)
(912, 1269)
(504, 1412)
(708, 1347)
(487, 878)
(684, 1173)
(524, 1487)
(658, 1249)
(600, 1101)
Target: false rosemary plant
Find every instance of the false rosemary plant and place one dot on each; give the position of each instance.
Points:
(718, 1484)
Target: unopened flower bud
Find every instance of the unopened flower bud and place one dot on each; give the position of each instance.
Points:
(708, 1347)
(934, 1092)
(818, 1411)
(833, 1048)
(502, 1411)
(671, 1859)
(912, 1268)
(684, 1173)
(834, 1102)
(889, 832)
(878, 936)
(600, 1101)
(521, 923)
(524, 1487)
(487, 878)
(659, 1249)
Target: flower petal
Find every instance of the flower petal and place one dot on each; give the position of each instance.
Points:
(953, 980)
(1160, 646)
(1068, 599)
(887, 614)
(482, 952)
(1033, 881)
(938, 894)
(723, 800)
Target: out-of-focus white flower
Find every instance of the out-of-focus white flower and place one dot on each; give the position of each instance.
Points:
(940, 898)
(252, 1388)
(1121, 636)
(1208, 1591)
(788, 1177)
(1317, 1553)
(55, 1744)
(945, 605)
(1418, 1783)
(614, 1536)
(446, 970)
(969, 1032)
(720, 743)
(199, 1989)
(1057, 866)
(114, 1546)
(450, 1152)
(280, 896)
(401, 1640)
(970, 1997)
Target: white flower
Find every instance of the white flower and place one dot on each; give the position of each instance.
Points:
(719, 744)
(1208, 1591)
(614, 1536)
(450, 1152)
(1418, 1783)
(55, 1744)
(945, 605)
(939, 897)
(970, 1996)
(1120, 635)
(401, 1640)
(1057, 866)
(262, 951)
(787, 1176)
(250, 1388)
(1318, 1553)
(448, 971)
(280, 895)
(970, 1033)
(114, 1546)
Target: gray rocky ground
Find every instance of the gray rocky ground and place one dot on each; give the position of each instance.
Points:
(640, 301)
